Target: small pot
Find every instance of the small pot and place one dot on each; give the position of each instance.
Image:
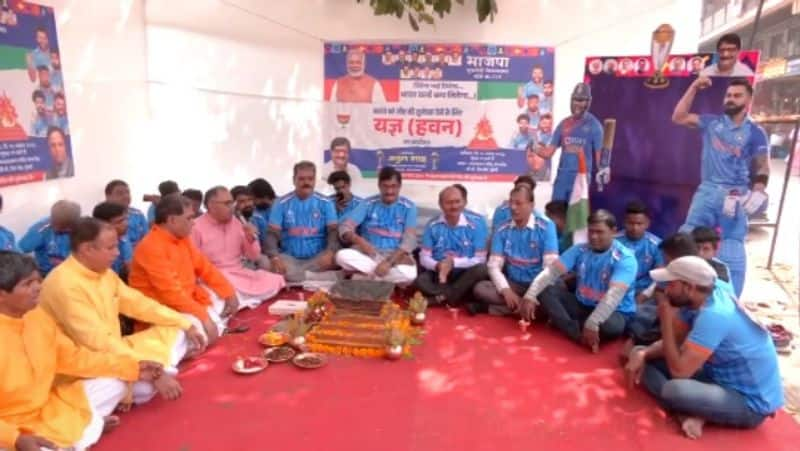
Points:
(418, 319)
(300, 340)
(394, 352)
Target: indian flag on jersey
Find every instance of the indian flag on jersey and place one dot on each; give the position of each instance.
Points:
(578, 209)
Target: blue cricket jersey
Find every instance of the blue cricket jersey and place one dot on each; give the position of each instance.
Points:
(261, 226)
(354, 202)
(380, 224)
(49, 247)
(596, 271)
(303, 223)
(574, 136)
(648, 256)
(465, 240)
(125, 254)
(7, 240)
(524, 248)
(729, 149)
(137, 226)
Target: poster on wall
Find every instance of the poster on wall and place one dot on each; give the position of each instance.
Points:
(34, 126)
(654, 160)
(464, 112)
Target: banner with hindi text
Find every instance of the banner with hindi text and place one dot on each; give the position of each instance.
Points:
(438, 111)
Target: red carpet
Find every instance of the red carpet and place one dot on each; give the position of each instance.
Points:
(475, 384)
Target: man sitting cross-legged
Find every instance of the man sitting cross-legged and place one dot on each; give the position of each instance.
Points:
(85, 297)
(227, 241)
(453, 251)
(304, 224)
(35, 411)
(603, 301)
(714, 363)
(521, 247)
(382, 232)
(168, 267)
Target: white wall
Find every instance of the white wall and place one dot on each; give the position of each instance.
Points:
(103, 52)
(222, 91)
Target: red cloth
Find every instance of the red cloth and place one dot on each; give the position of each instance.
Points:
(474, 384)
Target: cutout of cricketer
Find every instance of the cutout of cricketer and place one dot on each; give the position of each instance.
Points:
(580, 132)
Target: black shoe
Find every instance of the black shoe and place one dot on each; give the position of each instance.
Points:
(476, 308)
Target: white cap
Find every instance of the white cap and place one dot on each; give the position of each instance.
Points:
(691, 269)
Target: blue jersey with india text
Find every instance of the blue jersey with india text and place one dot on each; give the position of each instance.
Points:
(729, 149)
(49, 247)
(383, 225)
(502, 215)
(465, 240)
(575, 136)
(741, 354)
(7, 240)
(137, 226)
(524, 248)
(354, 202)
(648, 256)
(303, 223)
(596, 271)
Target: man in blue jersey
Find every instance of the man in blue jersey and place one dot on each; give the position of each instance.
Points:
(40, 56)
(502, 214)
(7, 240)
(344, 199)
(117, 215)
(534, 86)
(46, 87)
(453, 251)
(302, 228)
(520, 249)
(643, 244)
(48, 239)
(382, 234)
(533, 113)
(59, 116)
(263, 196)
(523, 136)
(603, 300)
(579, 133)
(734, 147)
(118, 192)
(714, 363)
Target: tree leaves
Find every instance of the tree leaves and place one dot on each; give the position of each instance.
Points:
(422, 11)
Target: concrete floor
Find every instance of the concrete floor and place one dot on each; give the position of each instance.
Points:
(779, 286)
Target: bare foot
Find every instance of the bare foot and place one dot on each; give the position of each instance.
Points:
(692, 427)
(625, 352)
(110, 423)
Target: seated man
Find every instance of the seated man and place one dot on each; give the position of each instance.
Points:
(502, 214)
(304, 223)
(714, 363)
(168, 267)
(263, 197)
(35, 412)
(116, 215)
(86, 298)
(520, 249)
(707, 241)
(195, 196)
(245, 208)
(118, 192)
(603, 301)
(643, 244)
(387, 226)
(453, 251)
(226, 242)
(344, 200)
(48, 239)
(556, 210)
(7, 240)
(165, 188)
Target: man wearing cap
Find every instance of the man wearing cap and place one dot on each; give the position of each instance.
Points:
(714, 363)
(579, 133)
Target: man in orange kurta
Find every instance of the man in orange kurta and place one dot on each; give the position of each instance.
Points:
(168, 267)
(35, 412)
